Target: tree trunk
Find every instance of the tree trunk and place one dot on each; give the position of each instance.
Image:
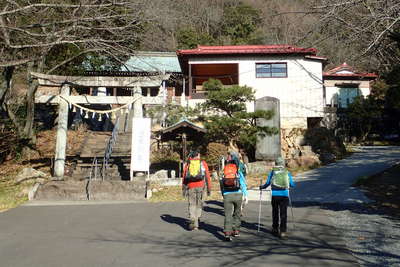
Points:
(5, 83)
(30, 104)
(30, 111)
(233, 146)
(5, 87)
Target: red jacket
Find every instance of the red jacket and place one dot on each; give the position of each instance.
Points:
(199, 183)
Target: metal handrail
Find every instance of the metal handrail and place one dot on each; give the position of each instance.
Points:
(109, 149)
(93, 169)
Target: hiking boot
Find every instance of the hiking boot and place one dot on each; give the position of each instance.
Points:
(228, 236)
(283, 235)
(191, 226)
(236, 233)
(275, 232)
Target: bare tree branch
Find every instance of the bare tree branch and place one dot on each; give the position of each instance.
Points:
(25, 8)
(71, 59)
(15, 62)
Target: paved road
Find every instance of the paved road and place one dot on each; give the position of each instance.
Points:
(332, 183)
(148, 234)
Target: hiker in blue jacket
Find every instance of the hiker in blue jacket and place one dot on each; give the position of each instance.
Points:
(280, 196)
(233, 197)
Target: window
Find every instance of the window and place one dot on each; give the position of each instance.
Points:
(270, 70)
(346, 96)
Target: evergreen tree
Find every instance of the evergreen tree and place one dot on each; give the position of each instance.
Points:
(227, 120)
(240, 23)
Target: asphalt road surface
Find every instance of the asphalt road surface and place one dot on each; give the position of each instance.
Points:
(155, 234)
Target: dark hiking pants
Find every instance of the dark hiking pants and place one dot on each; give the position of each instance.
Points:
(233, 211)
(279, 213)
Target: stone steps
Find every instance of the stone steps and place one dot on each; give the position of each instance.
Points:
(114, 185)
(95, 145)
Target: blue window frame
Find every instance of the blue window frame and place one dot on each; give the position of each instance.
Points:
(271, 70)
(346, 96)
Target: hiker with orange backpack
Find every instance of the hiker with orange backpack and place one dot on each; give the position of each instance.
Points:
(234, 192)
(196, 178)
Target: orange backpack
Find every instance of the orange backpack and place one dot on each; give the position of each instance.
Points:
(230, 179)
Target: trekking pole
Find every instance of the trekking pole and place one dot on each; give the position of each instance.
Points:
(291, 208)
(259, 209)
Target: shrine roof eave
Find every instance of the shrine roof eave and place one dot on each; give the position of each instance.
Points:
(184, 126)
(100, 81)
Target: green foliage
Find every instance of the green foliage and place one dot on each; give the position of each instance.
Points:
(379, 89)
(189, 38)
(79, 63)
(323, 140)
(229, 122)
(173, 113)
(240, 23)
(229, 100)
(393, 98)
(214, 153)
(363, 114)
(164, 155)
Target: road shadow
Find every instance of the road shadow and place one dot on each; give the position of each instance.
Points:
(212, 229)
(182, 222)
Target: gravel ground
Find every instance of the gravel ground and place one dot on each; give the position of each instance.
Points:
(373, 238)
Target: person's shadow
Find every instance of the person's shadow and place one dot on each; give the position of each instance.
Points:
(219, 209)
(214, 230)
(176, 220)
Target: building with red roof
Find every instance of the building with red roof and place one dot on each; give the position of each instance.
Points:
(289, 73)
(343, 83)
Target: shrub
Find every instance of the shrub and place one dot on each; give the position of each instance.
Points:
(214, 153)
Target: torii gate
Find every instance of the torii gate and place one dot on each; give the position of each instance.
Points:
(64, 100)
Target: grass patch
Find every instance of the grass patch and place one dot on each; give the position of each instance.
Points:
(166, 193)
(11, 193)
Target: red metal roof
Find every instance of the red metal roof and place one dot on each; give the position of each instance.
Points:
(247, 49)
(335, 72)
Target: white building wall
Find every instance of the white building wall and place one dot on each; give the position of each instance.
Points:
(332, 90)
(300, 94)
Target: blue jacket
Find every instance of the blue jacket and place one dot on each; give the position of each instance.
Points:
(243, 186)
(278, 192)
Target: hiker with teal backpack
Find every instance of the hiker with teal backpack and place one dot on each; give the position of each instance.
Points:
(196, 179)
(234, 192)
(280, 180)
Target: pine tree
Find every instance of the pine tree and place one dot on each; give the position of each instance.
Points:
(227, 120)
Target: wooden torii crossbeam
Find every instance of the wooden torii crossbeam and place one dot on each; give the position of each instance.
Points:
(64, 99)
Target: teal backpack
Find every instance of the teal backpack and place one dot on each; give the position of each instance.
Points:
(280, 178)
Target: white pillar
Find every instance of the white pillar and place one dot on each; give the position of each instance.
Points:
(137, 105)
(164, 115)
(183, 96)
(62, 128)
(101, 91)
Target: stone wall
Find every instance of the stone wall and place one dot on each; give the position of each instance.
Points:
(295, 150)
(310, 147)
